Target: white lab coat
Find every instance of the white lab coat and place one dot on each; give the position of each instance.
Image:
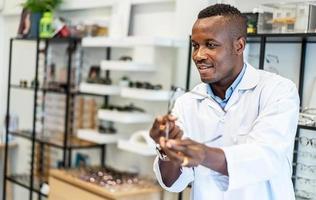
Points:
(258, 126)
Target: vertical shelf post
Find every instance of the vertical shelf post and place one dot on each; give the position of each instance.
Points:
(36, 84)
(7, 118)
(262, 51)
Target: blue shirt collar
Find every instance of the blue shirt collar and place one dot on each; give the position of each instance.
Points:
(229, 91)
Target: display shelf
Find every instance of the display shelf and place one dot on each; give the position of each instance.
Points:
(124, 117)
(74, 142)
(138, 148)
(307, 127)
(99, 89)
(131, 42)
(63, 181)
(24, 181)
(145, 94)
(58, 91)
(126, 66)
(99, 138)
(84, 4)
(151, 1)
(53, 40)
(282, 37)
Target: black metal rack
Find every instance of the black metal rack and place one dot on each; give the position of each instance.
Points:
(29, 181)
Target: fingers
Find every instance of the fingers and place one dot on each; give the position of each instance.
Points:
(175, 133)
(187, 147)
(155, 131)
(172, 155)
(157, 122)
(185, 161)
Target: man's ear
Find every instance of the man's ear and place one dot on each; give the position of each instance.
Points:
(239, 45)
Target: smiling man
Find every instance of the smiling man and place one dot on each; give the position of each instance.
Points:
(232, 137)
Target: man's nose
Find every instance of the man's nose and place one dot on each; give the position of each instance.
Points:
(199, 54)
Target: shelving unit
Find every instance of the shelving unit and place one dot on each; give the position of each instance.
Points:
(67, 142)
(127, 92)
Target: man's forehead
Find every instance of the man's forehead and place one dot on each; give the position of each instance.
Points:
(210, 25)
(205, 23)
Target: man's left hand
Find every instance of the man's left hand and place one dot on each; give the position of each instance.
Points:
(189, 151)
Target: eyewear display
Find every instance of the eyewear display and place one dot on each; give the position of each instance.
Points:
(128, 108)
(308, 170)
(306, 157)
(110, 130)
(112, 179)
(305, 184)
(307, 141)
(125, 58)
(304, 195)
(144, 85)
(307, 116)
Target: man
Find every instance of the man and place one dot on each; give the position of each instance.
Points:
(232, 136)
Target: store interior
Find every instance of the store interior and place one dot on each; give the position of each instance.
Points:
(79, 92)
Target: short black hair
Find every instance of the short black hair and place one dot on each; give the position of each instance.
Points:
(234, 17)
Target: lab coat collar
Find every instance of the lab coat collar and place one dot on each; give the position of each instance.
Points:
(249, 81)
(250, 78)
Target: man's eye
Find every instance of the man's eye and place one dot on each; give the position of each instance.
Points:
(195, 46)
(211, 45)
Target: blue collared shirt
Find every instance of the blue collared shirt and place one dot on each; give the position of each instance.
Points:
(229, 91)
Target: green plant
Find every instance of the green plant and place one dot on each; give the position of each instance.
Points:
(41, 5)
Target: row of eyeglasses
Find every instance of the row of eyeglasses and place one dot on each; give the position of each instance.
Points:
(112, 179)
(307, 117)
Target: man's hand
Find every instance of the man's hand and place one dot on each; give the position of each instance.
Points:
(170, 171)
(187, 152)
(158, 129)
(191, 154)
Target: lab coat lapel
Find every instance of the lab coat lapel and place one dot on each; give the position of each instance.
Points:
(248, 81)
(214, 105)
(205, 98)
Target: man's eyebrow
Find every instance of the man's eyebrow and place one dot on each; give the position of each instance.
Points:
(211, 40)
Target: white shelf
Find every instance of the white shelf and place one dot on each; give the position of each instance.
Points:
(85, 4)
(99, 138)
(131, 41)
(144, 94)
(126, 66)
(124, 117)
(99, 89)
(151, 1)
(138, 148)
(90, 4)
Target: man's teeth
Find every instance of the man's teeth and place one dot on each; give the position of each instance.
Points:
(205, 67)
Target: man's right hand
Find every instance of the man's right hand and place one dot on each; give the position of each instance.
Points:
(170, 171)
(158, 129)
